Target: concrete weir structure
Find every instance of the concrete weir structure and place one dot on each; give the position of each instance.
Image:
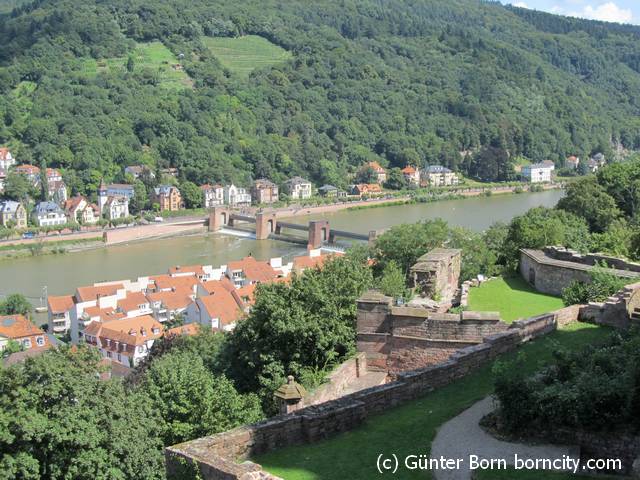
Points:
(267, 225)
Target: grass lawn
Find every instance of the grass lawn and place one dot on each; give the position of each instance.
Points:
(512, 297)
(242, 55)
(411, 428)
(153, 55)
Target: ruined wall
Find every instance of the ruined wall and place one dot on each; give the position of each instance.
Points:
(338, 380)
(551, 270)
(216, 456)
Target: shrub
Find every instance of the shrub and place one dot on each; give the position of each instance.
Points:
(602, 285)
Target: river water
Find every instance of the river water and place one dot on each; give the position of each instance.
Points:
(61, 274)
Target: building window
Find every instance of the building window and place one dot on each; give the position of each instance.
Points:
(26, 343)
(40, 341)
(120, 358)
(140, 349)
(109, 355)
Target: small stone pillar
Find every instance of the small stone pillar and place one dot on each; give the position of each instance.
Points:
(319, 232)
(290, 396)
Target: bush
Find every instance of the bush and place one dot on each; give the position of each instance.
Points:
(603, 284)
(597, 388)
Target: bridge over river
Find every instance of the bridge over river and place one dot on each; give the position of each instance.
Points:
(267, 226)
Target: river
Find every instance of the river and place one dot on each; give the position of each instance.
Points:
(61, 274)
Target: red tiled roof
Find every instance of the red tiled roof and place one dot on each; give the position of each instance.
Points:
(188, 329)
(103, 314)
(253, 270)
(132, 301)
(132, 331)
(60, 304)
(195, 269)
(377, 167)
(17, 326)
(409, 170)
(84, 294)
(167, 282)
(172, 300)
(222, 305)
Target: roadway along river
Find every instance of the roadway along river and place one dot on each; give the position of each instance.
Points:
(61, 274)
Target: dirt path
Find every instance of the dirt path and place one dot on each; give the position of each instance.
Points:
(462, 436)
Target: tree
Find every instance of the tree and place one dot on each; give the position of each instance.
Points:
(16, 304)
(44, 182)
(393, 281)
(492, 164)
(59, 420)
(130, 64)
(395, 179)
(140, 198)
(308, 323)
(17, 187)
(191, 194)
(192, 402)
(366, 175)
(586, 198)
(541, 227)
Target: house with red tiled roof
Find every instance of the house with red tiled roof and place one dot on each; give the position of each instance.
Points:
(96, 299)
(381, 173)
(167, 304)
(248, 271)
(197, 271)
(80, 210)
(218, 311)
(31, 172)
(59, 313)
(126, 341)
(411, 175)
(134, 304)
(366, 189)
(6, 159)
(167, 283)
(315, 259)
(19, 329)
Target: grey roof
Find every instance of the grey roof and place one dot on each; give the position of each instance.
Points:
(327, 188)
(9, 206)
(537, 165)
(163, 189)
(437, 169)
(297, 181)
(44, 208)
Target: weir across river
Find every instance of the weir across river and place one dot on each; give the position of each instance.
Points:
(268, 226)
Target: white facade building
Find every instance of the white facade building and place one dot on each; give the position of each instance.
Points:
(537, 173)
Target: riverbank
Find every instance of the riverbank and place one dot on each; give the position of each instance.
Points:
(49, 247)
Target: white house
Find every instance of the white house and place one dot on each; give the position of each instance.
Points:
(126, 341)
(81, 211)
(236, 196)
(6, 159)
(299, 188)
(49, 214)
(537, 173)
(212, 195)
(116, 207)
(219, 311)
(59, 313)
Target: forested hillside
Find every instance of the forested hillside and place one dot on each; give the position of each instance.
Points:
(87, 87)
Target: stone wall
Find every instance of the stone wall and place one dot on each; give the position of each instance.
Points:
(399, 338)
(436, 274)
(552, 272)
(338, 380)
(216, 456)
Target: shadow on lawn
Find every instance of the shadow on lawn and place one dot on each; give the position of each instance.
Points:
(516, 282)
(409, 429)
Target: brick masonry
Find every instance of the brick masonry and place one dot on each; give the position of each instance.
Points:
(217, 456)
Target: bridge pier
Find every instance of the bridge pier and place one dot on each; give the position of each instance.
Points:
(319, 232)
(219, 217)
(265, 225)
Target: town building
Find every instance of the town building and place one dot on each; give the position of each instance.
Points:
(248, 271)
(371, 189)
(167, 305)
(59, 313)
(48, 214)
(549, 163)
(439, 176)
(212, 195)
(19, 329)
(572, 162)
(79, 209)
(13, 214)
(139, 171)
(115, 208)
(236, 196)
(299, 188)
(537, 173)
(218, 311)
(57, 192)
(381, 173)
(264, 191)
(31, 172)
(328, 191)
(6, 159)
(53, 175)
(168, 197)
(411, 175)
(126, 341)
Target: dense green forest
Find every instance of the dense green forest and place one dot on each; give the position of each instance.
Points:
(85, 88)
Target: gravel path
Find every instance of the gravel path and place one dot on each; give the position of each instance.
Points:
(462, 436)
